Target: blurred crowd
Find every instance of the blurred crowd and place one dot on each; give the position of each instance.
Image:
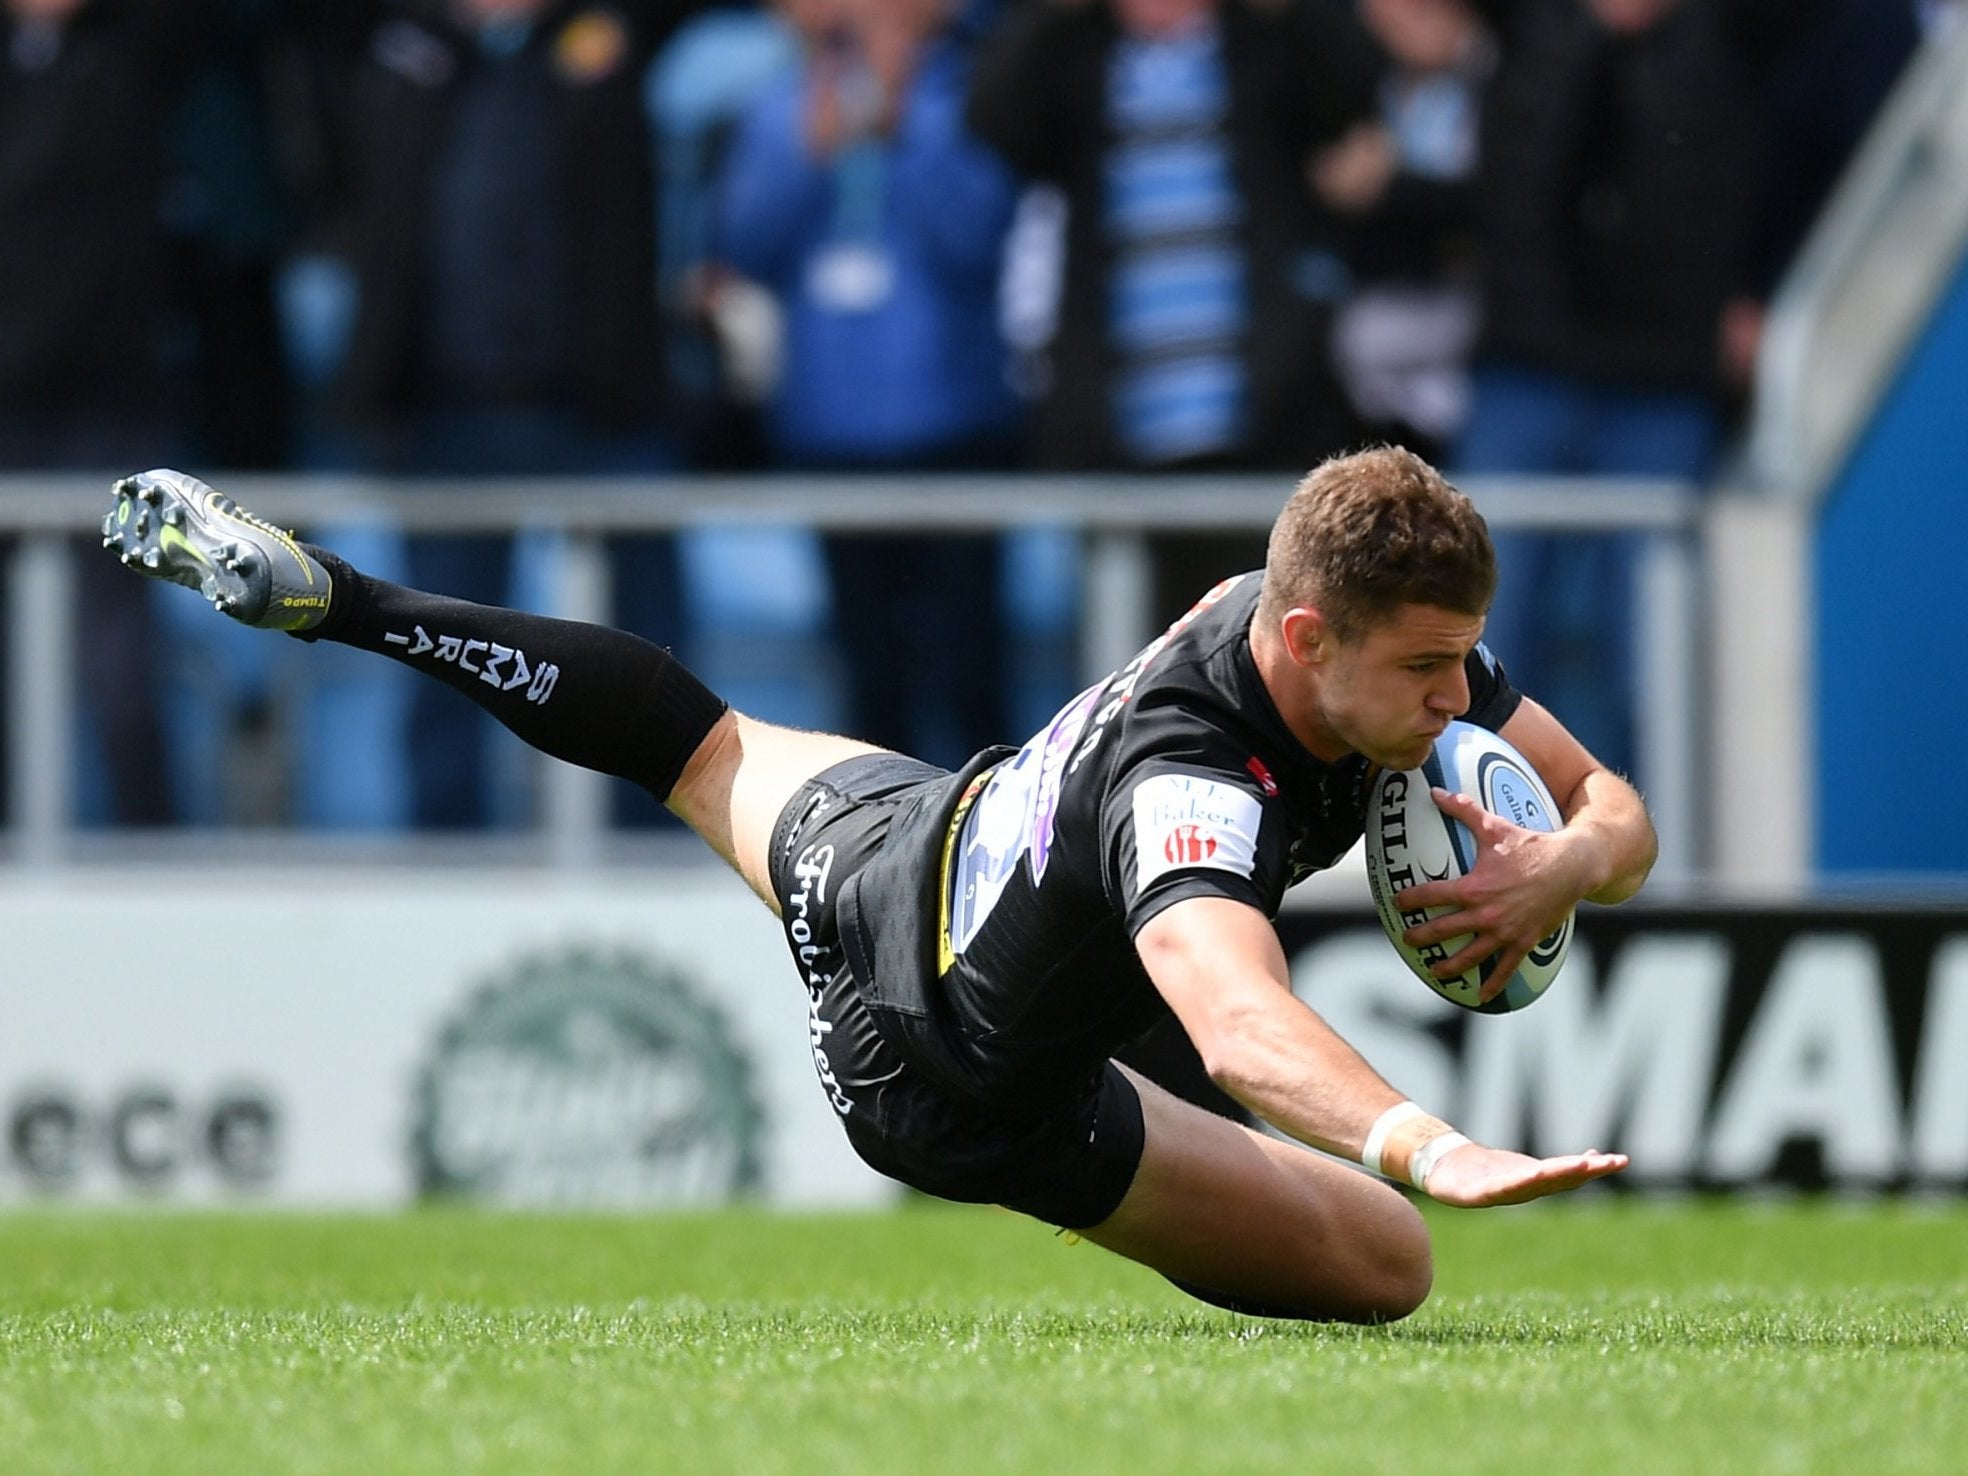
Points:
(451, 238)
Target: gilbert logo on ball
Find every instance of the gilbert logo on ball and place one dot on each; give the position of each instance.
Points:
(1410, 841)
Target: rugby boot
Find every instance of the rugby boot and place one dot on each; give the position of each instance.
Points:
(172, 526)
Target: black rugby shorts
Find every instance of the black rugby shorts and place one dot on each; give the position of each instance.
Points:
(1070, 1168)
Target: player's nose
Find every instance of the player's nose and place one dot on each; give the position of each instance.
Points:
(1451, 696)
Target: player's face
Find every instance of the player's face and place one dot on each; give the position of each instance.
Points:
(1390, 694)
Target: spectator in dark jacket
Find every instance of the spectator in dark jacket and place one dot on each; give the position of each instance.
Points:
(1404, 188)
(1829, 87)
(1622, 160)
(464, 105)
(87, 90)
(503, 239)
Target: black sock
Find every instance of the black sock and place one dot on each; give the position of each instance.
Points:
(600, 698)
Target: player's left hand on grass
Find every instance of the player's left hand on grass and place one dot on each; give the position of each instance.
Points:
(1472, 1176)
(1518, 891)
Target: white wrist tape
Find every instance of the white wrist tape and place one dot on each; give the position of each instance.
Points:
(1431, 1153)
(1385, 1124)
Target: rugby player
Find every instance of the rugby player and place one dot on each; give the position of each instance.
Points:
(975, 945)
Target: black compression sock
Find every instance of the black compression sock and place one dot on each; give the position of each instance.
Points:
(600, 698)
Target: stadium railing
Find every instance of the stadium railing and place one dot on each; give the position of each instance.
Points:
(1866, 281)
(41, 516)
(1860, 294)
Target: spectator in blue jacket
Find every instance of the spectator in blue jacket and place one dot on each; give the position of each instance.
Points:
(855, 196)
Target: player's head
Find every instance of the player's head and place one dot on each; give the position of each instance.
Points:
(1375, 587)
(1365, 534)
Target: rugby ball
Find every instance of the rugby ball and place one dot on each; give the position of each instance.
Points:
(1410, 841)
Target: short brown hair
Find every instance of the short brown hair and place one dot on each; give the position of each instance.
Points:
(1368, 533)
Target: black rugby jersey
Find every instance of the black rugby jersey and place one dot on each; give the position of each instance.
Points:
(994, 931)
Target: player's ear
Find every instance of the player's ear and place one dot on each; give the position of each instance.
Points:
(1307, 635)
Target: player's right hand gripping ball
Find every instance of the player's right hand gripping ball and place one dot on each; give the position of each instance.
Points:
(1410, 841)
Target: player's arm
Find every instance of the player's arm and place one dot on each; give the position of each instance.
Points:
(1525, 882)
(1218, 964)
(1608, 837)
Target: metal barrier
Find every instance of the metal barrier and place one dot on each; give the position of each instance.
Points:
(1113, 513)
(1866, 281)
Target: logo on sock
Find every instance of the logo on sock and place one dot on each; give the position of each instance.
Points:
(486, 660)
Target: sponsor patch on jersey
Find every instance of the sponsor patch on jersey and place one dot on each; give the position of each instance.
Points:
(1183, 821)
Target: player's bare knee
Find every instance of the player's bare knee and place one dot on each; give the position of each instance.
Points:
(1386, 1291)
(1406, 1279)
(1395, 1269)
(1376, 1280)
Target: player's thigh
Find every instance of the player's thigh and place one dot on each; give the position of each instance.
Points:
(742, 776)
(1223, 1206)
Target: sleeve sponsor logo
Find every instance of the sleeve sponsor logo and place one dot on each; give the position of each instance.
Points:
(1185, 821)
(1190, 844)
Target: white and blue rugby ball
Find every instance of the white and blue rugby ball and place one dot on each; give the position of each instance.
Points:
(1410, 841)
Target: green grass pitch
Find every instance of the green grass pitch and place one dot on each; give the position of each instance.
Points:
(1604, 1337)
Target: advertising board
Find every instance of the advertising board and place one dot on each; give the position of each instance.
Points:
(1811, 1046)
(210, 1038)
(640, 1040)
